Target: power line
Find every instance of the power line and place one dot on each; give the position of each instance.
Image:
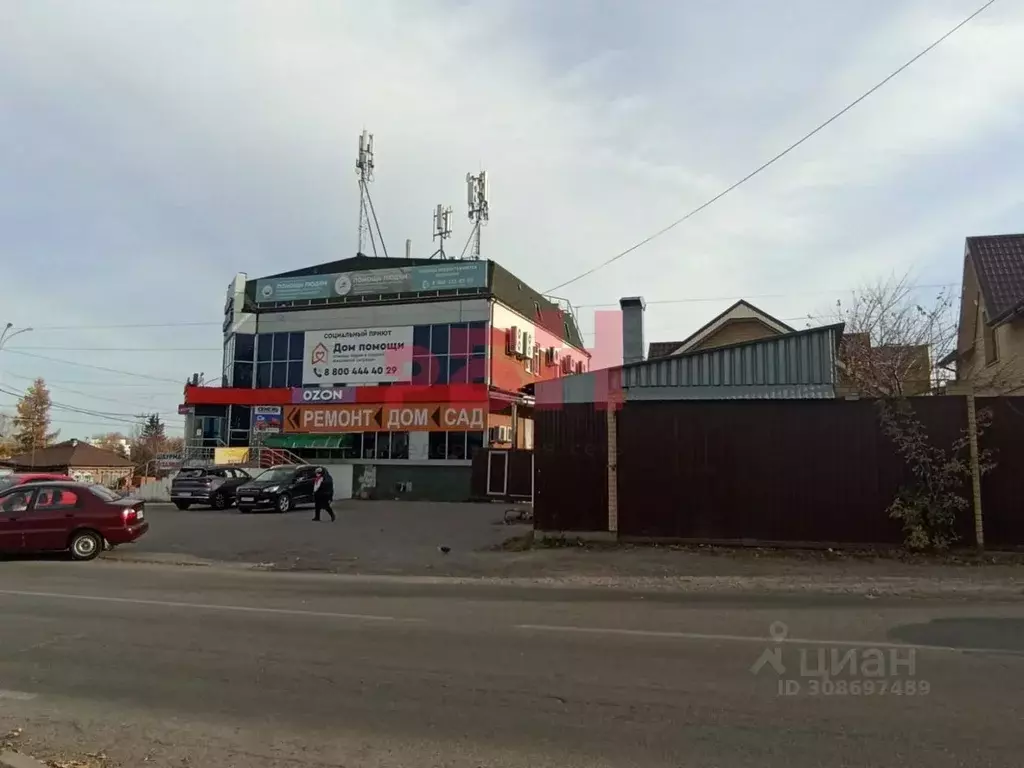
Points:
(693, 300)
(264, 322)
(104, 384)
(779, 156)
(69, 390)
(119, 371)
(74, 408)
(61, 421)
(119, 349)
(38, 328)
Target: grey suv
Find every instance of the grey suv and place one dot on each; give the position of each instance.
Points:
(207, 486)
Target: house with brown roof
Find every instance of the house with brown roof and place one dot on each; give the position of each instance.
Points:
(78, 459)
(740, 322)
(864, 369)
(989, 354)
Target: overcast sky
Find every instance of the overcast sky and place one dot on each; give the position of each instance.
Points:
(151, 150)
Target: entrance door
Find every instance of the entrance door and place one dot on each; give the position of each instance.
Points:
(497, 473)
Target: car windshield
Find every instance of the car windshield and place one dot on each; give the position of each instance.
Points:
(192, 473)
(277, 475)
(7, 482)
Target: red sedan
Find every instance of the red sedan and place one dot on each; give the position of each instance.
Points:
(67, 517)
(20, 478)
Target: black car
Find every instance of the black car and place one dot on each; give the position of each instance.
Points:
(281, 488)
(209, 486)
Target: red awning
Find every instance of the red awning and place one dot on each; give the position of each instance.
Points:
(400, 393)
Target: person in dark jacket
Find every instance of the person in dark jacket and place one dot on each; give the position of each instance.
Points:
(323, 492)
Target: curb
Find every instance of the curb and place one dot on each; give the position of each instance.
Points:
(10, 759)
(868, 588)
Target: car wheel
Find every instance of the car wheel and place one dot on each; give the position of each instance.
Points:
(220, 501)
(85, 545)
(182, 505)
(284, 502)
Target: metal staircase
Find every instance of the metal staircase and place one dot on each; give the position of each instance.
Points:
(265, 458)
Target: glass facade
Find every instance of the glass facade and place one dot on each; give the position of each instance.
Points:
(451, 353)
(443, 446)
(447, 353)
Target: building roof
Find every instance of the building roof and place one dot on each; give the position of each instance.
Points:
(999, 264)
(502, 285)
(796, 365)
(741, 310)
(71, 453)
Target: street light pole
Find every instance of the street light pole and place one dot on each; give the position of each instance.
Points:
(7, 334)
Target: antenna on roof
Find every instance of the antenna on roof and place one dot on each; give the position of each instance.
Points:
(364, 167)
(442, 228)
(479, 208)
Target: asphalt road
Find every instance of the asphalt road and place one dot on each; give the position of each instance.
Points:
(369, 537)
(168, 666)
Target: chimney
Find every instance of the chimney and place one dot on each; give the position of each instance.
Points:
(632, 329)
(408, 249)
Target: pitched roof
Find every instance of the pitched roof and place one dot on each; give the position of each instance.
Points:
(71, 453)
(999, 264)
(662, 348)
(743, 309)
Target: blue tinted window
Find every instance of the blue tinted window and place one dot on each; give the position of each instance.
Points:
(262, 375)
(279, 375)
(280, 346)
(295, 346)
(459, 344)
(421, 339)
(295, 374)
(264, 347)
(477, 373)
(439, 339)
(243, 375)
(245, 344)
(421, 371)
(439, 370)
(478, 337)
(457, 370)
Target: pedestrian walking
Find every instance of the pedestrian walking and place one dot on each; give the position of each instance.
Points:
(323, 492)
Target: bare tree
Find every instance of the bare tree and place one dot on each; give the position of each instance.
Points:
(894, 337)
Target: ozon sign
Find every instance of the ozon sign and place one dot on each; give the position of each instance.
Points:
(313, 395)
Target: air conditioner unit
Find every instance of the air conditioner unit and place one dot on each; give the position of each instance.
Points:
(520, 342)
(526, 345)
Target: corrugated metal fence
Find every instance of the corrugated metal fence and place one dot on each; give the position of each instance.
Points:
(571, 465)
(770, 471)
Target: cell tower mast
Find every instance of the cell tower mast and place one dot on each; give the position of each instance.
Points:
(442, 228)
(479, 208)
(367, 215)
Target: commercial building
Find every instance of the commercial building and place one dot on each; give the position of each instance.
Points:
(401, 367)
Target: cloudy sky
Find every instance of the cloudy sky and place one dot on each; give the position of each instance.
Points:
(151, 150)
